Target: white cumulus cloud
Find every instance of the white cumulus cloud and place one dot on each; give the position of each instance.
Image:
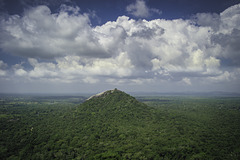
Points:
(140, 9)
(42, 34)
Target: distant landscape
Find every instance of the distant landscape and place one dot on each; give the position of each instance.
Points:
(115, 125)
(119, 80)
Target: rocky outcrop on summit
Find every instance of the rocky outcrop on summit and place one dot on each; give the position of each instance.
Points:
(102, 94)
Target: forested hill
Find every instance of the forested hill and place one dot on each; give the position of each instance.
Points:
(115, 105)
(114, 125)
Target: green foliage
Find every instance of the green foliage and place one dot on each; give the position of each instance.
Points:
(117, 126)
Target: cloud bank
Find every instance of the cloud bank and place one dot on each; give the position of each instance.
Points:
(64, 47)
(140, 9)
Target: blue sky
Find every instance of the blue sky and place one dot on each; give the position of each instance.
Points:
(109, 10)
(66, 46)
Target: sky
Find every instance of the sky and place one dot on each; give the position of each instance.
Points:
(83, 46)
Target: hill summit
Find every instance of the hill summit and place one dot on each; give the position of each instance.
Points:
(115, 104)
(103, 94)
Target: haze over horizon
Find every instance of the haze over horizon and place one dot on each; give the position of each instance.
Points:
(67, 46)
